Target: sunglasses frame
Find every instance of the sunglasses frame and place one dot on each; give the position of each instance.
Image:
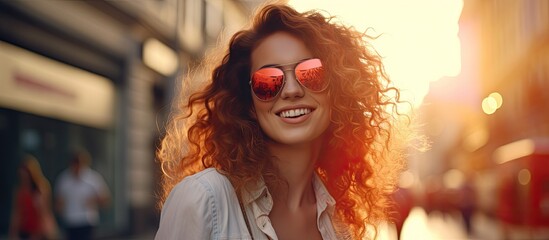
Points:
(284, 68)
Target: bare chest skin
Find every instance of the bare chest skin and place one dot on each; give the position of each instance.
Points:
(295, 224)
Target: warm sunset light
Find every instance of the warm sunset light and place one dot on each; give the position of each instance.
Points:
(419, 38)
(489, 105)
(498, 98)
(492, 103)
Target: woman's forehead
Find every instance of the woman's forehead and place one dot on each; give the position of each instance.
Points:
(279, 48)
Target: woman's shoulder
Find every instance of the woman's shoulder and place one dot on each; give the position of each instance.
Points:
(208, 181)
(208, 176)
(208, 173)
(200, 207)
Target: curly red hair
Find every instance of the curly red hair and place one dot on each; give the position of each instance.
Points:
(216, 128)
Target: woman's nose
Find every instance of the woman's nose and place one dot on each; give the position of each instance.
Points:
(292, 88)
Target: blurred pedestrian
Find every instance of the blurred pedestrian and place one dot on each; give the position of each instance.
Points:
(467, 204)
(79, 193)
(403, 203)
(31, 216)
(289, 139)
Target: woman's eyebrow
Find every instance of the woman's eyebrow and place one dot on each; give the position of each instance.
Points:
(286, 64)
(270, 65)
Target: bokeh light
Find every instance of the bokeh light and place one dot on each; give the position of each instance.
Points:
(524, 176)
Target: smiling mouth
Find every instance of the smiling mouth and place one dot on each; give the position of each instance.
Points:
(294, 113)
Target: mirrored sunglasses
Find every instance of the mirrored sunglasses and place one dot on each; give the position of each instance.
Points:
(267, 82)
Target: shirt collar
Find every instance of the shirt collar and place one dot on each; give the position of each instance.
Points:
(254, 191)
(323, 198)
(321, 191)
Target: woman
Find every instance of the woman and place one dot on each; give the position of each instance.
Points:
(32, 217)
(288, 140)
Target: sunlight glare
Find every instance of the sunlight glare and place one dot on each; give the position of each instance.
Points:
(419, 39)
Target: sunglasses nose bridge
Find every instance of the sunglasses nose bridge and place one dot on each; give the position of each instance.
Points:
(289, 72)
(291, 87)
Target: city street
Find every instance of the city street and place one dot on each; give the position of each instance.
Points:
(439, 226)
(106, 105)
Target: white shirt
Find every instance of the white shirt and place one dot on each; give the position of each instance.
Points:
(76, 193)
(205, 206)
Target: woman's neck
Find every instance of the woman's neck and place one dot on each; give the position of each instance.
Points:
(296, 165)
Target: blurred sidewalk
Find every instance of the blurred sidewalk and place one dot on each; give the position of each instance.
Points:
(436, 225)
(433, 226)
(450, 226)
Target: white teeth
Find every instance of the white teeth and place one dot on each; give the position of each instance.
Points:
(295, 112)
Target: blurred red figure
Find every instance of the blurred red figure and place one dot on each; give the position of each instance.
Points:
(32, 217)
(403, 203)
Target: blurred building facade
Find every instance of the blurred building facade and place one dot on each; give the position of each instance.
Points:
(491, 122)
(100, 75)
(515, 63)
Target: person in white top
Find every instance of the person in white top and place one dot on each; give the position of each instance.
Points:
(288, 139)
(79, 193)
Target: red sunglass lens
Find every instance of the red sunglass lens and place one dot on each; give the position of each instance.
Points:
(267, 82)
(311, 74)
